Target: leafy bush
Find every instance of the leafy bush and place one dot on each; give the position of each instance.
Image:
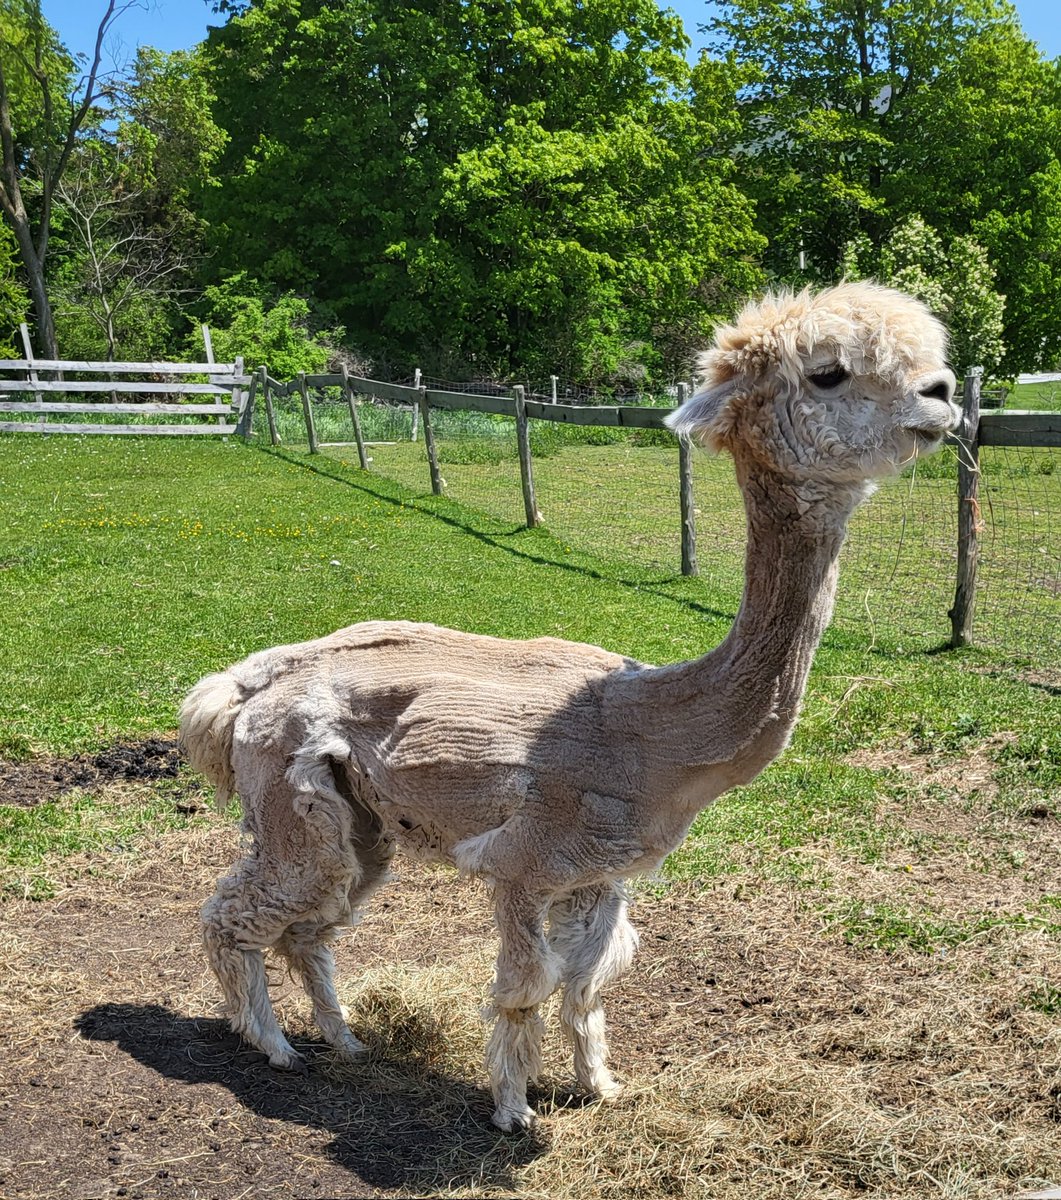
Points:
(243, 321)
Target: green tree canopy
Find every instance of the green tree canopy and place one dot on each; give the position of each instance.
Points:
(480, 187)
(46, 104)
(128, 238)
(956, 281)
(860, 114)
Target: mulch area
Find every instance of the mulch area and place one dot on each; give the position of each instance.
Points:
(42, 779)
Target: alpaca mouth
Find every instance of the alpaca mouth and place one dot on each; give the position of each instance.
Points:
(936, 433)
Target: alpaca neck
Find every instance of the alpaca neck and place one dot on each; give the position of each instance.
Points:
(718, 720)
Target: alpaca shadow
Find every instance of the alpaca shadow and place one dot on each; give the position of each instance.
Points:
(393, 1123)
(498, 539)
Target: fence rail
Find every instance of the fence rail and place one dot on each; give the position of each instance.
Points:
(24, 377)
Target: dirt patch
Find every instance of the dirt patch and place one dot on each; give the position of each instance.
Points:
(1046, 678)
(41, 779)
(972, 773)
(763, 1055)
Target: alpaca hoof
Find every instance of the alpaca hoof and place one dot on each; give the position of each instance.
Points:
(512, 1120)
(289, 1060)
(608, 1091)
(350, 1049)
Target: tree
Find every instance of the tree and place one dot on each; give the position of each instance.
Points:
(830, 113)
(127, 233)
(987, 163)
(164, 110)
(119, 272)
(44, 106)
(474, 186)
(956, 281)
(861, 114)
(13, 299)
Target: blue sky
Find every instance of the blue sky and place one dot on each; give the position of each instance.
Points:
(177, 24)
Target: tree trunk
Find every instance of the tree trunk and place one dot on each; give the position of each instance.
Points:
(34, 267)
(54, 162)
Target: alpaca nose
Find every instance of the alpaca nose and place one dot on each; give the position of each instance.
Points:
(939, 386)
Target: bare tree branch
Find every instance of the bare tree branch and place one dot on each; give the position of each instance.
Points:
(53, 156)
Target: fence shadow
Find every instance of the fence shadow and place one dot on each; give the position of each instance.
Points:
(386, 491)
(377, 1114)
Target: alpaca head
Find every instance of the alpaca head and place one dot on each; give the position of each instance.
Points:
(838, 386)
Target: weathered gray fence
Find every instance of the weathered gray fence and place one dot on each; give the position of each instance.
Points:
(95, 387)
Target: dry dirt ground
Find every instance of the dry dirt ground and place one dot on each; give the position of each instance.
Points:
(765, 1056)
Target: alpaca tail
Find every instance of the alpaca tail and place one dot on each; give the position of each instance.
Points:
(207, 719)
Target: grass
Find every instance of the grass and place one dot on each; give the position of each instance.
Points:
(132, 567)
(1035, 397)
(901, 860)
(48, 845)
(889, 927)
(609, 491)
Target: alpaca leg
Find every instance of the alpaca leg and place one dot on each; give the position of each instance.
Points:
(305, 945)
(527, 973)
(300, 874)
(241, 972)
(306, 949)
(589, 930)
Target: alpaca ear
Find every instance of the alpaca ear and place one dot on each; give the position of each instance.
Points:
(705, 417)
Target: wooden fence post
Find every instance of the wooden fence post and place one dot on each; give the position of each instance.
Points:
(245, 424)
(267, 399)
(437, 482)
(526, 470)
(969, 522)
(307, 411)
(416, 407)
(348, 391)
(685, 488)
(28, 346)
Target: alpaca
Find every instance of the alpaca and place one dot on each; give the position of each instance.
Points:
(550, 769)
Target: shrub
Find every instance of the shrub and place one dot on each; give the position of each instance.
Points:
(243, 321)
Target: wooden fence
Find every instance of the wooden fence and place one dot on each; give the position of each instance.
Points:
(990, 428)
(26, 382)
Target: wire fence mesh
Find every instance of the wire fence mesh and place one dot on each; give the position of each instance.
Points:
(615, 492)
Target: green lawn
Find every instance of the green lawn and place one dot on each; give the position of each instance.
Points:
(1035, 397)
(131, 567)
(619, 499)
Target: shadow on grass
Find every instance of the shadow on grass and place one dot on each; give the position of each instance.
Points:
(393, 1123)
(447, 511)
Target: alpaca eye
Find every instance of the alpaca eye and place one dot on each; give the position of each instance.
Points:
(831, 378)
